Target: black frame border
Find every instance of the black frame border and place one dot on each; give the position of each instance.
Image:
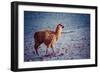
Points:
(14, 35)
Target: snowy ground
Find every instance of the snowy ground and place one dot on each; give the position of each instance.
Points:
(73, 44)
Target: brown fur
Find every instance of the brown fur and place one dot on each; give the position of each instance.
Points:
(49, 38)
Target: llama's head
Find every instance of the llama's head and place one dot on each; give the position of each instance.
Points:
(60, 26)
(59, 30)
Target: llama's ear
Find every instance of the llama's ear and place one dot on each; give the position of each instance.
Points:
(59, 24)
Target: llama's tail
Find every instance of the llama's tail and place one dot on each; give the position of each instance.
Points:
(35, 35)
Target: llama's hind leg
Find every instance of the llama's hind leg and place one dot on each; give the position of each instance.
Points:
(36, 47)
(48, 47)
(46, 51)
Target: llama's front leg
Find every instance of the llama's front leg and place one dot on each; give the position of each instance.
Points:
(53, 50)
(47, 52)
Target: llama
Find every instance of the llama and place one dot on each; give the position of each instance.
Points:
(48, 37)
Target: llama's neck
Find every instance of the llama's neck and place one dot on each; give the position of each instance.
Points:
(58, 33)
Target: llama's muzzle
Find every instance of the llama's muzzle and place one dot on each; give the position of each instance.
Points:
(62, 26)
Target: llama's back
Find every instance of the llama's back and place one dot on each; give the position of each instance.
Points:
(41, 36)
